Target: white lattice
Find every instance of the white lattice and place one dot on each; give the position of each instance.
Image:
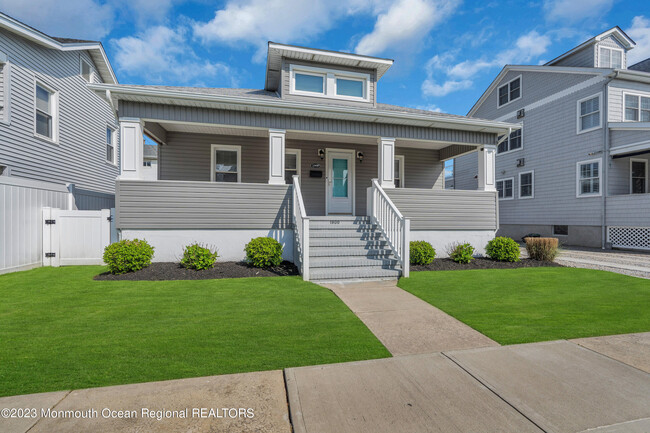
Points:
(629, 237)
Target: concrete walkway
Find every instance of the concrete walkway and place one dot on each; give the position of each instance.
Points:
(632, 349)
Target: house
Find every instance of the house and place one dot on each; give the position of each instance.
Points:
(150, 162)
(312, 160)
(578, 168)
(58, 139)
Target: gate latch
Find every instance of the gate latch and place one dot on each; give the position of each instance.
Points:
(50, 222)
(49, 255)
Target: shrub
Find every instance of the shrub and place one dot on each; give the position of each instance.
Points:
(128, 256)
(263, 252)
(461, 253)
(503, 249)
(198, 257)
(421, 253)
(542, 249)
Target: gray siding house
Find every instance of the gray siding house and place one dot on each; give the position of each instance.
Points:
(578, 168)
(313, 160)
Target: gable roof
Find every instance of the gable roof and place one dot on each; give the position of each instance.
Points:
(94, 48)
(615, 32)
(643, 65)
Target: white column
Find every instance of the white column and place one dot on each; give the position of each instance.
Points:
(487, 168)
(386, 172)
(131, 148)
(276, 156)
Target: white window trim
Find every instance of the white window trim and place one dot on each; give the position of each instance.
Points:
(298, 158)
(622, 51)
(6, 114)
(521, 93)
(329, 82)
(114, 140)
(600, 178)
(90, 66)
(215, 147)
(55, 112)
(515, 150)
(598, 95)
(512, 197)
(639, 95)
(646, 172)
(532, 186)
(400, 160)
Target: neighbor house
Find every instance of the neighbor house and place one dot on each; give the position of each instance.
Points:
(150, 162)
(578, 168)
(312, 160)
(58, 139)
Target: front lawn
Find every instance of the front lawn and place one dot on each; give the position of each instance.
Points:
(60, 329)
(537, 304)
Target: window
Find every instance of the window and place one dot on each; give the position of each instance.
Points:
(329, 83)
(449, 174)
(146, 163)
(561, 230)
(638, 176)
(399, 171)
(513, 142)
(86, 71)
(291, 165)
(45, 112)
(526, 185)
(589, 114)
(509, 92)
(588, 182)
(505, 189)
(110, 145)
(637, 108)
(610, 58)
(226, 163)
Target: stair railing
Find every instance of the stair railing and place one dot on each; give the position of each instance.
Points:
(300, 230)
(393, 225)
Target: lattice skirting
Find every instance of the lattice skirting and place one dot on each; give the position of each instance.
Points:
(629, 237)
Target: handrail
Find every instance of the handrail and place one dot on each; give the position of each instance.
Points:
(301, 230)
(393, 225)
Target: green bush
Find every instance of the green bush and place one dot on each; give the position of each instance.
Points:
(542, 249)
(263, 252)
(128, 256)
(421, 253)
(461, 253)
(503, 249)
(198, 257)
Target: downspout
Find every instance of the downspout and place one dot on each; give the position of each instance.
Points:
(605, 186)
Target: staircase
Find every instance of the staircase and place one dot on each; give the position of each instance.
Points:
(346, 247)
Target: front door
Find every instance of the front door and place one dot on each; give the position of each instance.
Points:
(340, 180)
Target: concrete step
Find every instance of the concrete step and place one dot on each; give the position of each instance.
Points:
(341, 225)
(365, 235)
(320, 274)
(357, 251)
(346, 262)
(347, 242)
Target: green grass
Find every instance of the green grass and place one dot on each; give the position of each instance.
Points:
(60, 329)
(537, 304)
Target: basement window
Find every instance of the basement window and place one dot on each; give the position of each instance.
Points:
(561, 230)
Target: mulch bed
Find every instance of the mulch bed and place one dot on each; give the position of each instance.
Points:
(481, 263)
(174, 271)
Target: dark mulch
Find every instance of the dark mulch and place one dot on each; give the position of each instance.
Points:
(481, 263)
(174, 271)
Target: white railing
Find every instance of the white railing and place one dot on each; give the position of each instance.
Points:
(395, 228)
(300, 230)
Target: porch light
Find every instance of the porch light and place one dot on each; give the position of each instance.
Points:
(360, 157)
(321, 153)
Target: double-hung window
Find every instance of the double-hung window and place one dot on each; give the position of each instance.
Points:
(509, 92)
(610, 58)
(589, 178)
(638, 176)
(513, 142)
(45, 112)
(527, 185)
(399, 171)
(637, 108)
(291, 165)
(226, 163)
(85, 71)
(505, 189)
(110, 145)
(589, 114)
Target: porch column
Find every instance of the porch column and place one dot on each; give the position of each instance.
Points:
(131, 148)
(276, 156)
(386, 172)
(487, 168)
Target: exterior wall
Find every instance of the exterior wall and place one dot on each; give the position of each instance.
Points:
(466, 172)
(609, 42)
(583, 58)
(150, 173)
(586, 236)
(285, 80)
(619, 214)
(616, 89)
(79, 157)
(442, 240)
(168, 244)
(618, 138)
(619, 176)
(92, 200)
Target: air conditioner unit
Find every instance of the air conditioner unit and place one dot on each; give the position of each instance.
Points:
(521, 162)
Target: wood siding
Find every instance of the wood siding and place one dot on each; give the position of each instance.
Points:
(618, 210)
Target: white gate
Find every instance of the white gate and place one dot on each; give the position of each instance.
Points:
(75, 237)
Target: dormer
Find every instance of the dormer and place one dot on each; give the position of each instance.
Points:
(607, 50)
(321, 76)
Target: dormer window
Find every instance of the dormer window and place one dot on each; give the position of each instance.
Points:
(610, 58)
(511, 91)
(85, 71)
(329, 83)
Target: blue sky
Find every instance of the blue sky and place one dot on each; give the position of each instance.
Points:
(446, 51)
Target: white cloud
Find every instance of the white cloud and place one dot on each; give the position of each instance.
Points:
(431, 88)
(79, 19)
(639, 31)
(161, 53)
(576, 10)
(404, 22)
(429, 107)
(148, 11)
